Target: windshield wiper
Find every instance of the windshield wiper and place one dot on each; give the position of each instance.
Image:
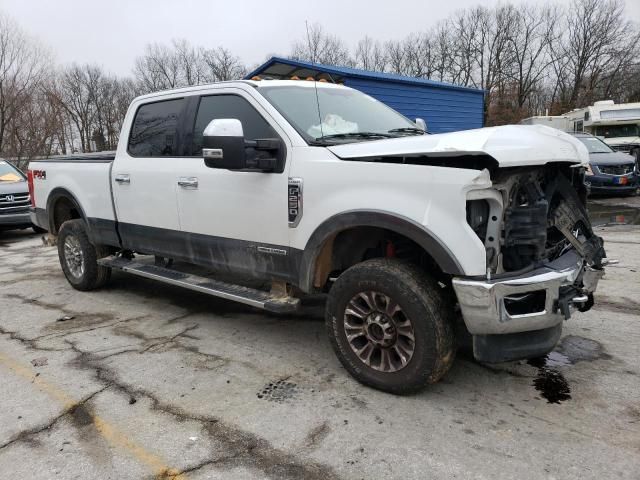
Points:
(354, 135)
(417, 131)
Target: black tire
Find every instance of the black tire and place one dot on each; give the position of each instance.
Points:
(73, 235)
(37, 229)
(421, 301)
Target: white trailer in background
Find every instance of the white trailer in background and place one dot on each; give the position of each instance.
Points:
(617, 124)
(561, 122)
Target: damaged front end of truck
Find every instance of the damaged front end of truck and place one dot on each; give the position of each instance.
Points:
(543, 260)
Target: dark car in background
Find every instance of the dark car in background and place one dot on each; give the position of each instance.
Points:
(14, 199)
(609, 172)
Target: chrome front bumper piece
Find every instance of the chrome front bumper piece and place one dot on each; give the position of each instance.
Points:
(483, 301)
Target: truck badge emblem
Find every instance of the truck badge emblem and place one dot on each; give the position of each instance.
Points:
(295, 201)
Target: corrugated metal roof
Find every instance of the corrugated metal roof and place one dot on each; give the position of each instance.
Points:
(355, 72)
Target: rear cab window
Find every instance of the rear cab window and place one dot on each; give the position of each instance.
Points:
(154, 132)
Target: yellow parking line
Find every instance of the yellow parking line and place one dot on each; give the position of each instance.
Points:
(110, 433)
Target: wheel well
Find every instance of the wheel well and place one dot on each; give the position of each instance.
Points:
(63, 209)
(354, 245)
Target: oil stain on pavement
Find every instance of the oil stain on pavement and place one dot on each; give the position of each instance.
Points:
(550, 381)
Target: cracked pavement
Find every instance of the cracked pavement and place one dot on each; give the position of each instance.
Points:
(144, 380)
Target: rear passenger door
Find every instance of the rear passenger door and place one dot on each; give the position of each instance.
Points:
(144, 178)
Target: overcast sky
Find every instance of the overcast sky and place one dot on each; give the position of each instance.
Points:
(112, 33)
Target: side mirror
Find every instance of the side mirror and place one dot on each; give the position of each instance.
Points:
(223, 144)
(421, 124)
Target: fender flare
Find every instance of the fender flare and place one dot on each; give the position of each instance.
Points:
(55, 195)
(441, 254)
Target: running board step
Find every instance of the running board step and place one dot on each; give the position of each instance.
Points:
(237, 293)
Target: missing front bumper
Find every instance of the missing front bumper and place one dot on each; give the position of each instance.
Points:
(496, 306)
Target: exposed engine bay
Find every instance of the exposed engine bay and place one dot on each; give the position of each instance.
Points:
(543, 215)
(537, 216)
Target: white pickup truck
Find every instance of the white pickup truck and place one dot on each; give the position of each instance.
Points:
(315, 187)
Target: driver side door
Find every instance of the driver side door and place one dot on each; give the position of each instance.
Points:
(235, 221)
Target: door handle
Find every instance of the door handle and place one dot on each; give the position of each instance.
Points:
(123, 178)
(188, 182)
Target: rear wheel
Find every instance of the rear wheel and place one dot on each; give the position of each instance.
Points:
(390, 326)
(79, 257)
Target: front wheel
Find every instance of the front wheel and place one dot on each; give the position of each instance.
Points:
(391, 326)
(79, 257)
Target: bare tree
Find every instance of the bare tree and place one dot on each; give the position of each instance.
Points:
(321, 47)
(443, 51)
(534, 30)
(396, 56)
(22, 67)
(158, 69)
(370, 55)
(221, 64)
(78, 91)
(180, 64)
(189, 61)
(419, 55)
(597, 33)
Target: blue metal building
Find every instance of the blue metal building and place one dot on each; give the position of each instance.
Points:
(445, 107)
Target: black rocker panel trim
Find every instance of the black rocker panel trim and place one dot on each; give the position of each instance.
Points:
(225, 255)
(261, 260)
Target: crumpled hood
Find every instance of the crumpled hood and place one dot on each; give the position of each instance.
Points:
(510, 145)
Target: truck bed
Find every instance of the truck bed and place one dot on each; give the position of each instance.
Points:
(86, 177)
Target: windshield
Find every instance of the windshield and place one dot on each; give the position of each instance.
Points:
(9, 174)
(595, 145)
(337, 115)
(614, 131)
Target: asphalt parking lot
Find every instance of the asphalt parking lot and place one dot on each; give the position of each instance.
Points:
(141, 380)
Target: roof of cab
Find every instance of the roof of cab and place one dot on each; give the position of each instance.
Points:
(253, 83)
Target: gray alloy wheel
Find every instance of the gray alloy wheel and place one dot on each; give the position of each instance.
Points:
(391, 325)
(379, 332)
(79, 257)
(73, 256)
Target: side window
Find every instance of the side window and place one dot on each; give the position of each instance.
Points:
(154, 129)
(230, 106)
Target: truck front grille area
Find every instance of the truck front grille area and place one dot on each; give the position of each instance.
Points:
(12, 203)
(616, 169)
(525, 229)
(545, 216)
